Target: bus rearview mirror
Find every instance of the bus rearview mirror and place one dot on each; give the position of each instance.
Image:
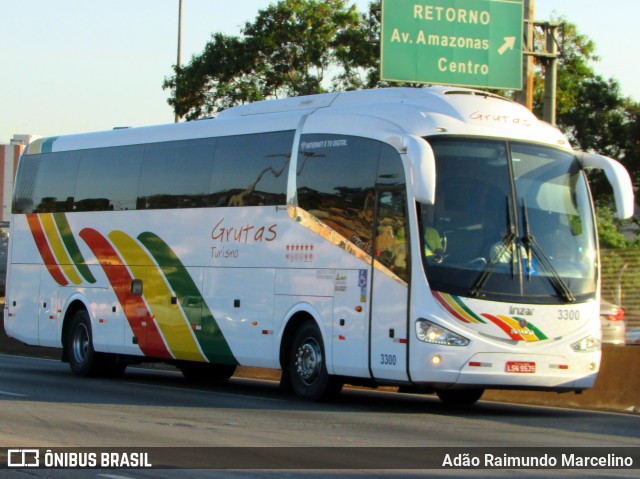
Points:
(423, 169)
(617, 176)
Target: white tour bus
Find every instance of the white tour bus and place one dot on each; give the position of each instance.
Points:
(439, 239)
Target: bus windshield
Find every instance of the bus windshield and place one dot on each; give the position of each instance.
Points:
(511, 222)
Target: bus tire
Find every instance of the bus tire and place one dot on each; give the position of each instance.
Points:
(460, 397)
(83, 359)
(79, 344)
(307, 366)
(206, 372)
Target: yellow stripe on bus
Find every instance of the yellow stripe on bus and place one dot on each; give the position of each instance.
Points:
(169, 317)
(35, 146)
(458, 309)
(60, 252)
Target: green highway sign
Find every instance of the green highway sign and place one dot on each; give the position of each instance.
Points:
(454, 42)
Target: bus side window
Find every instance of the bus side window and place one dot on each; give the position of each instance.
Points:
(56, 182)
(251, 170)
(108, 179)
(391, 227)
(176, 174)
(24, 192)
(336, 184)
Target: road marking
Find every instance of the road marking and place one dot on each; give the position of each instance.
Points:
(7, 393)
(114, 476)
(28, 357)
(208, 392)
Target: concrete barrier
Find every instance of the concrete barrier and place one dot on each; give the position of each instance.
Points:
(616, 389)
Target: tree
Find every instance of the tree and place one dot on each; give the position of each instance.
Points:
(289, 50)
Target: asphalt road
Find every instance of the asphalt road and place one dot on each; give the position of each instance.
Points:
(43, 405)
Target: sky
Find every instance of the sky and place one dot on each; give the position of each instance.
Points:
(72, 66)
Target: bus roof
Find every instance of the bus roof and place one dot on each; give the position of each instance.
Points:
(425, 111)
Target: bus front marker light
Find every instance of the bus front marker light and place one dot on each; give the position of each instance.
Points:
(436, 360)
(432, 333)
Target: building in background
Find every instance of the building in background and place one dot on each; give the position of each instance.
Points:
(9, 155)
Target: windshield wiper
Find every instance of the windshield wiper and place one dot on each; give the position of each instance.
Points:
(532, 246)
(506, 246)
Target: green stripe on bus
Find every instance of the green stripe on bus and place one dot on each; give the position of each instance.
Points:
(72, 247)
(206, 329)
(47, 144)
(460, 303)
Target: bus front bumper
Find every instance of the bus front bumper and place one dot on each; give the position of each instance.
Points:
(513, 371)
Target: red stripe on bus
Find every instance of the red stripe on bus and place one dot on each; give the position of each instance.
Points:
(133, 306)
(448, 307)
(45, 251)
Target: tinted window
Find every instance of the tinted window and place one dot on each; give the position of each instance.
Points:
(108, 179)
(56, 182)
(391, 227)
(176, 174)
(23, 199)
(243, 170)
(251, 170)
(336, 183)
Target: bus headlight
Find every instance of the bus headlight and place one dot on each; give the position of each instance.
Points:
(589, 344)
(432, 333)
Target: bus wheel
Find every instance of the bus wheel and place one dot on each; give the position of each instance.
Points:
(79, 343)
(307, 367)
(83, 360)
(206, 372)
(460, 397)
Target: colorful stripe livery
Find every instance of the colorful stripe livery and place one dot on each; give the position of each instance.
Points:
(511, 326)
(184, 328)
(135, 309)
(457, 308)
(58, 249)
(198, 315)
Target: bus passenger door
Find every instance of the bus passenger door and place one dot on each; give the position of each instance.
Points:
(389, 288)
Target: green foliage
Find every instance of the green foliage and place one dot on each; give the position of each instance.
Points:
(609, 230)
(289, 50)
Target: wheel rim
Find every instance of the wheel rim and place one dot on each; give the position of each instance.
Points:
(80, 344)
(308, 360)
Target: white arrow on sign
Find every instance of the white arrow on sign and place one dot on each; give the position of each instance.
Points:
(509, 43)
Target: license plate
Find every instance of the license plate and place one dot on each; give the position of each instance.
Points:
(521, 367)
